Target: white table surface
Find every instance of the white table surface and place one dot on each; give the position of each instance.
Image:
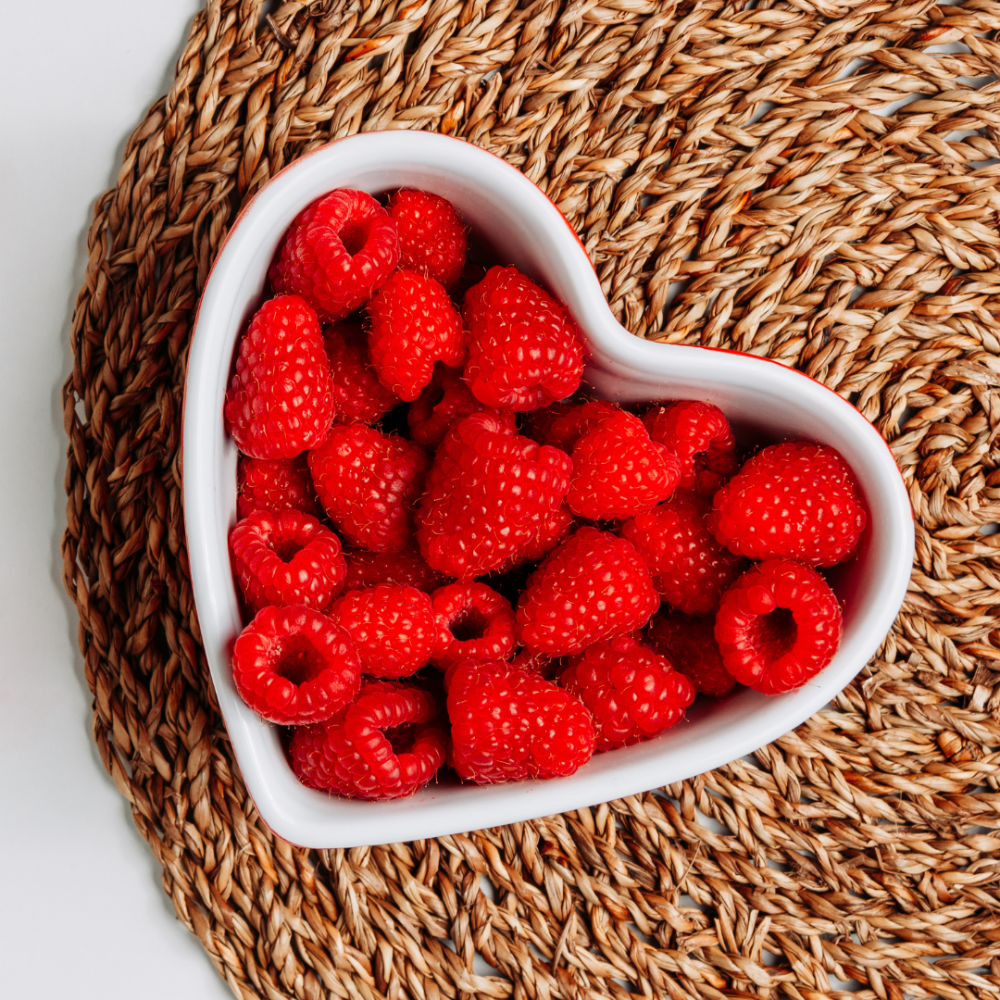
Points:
(83, 913)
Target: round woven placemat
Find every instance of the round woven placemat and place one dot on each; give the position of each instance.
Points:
(727, 170)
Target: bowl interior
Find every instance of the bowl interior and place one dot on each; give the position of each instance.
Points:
(526, 230)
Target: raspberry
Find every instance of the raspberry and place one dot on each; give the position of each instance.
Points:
(618, 471)
(305, 754)
(538, 663)
(701, 438)
(474, 623)
(444, 401)
(489, 494)
(431, 238)
(378, 748)
(360, 396)
(275, 484)
(690, 569)
(413, 323)
(337, 252)
(394, 629)
(688, 642)
(406, 568)
(797, 500)
(286, 558)
(524, 351)
(280, 400)
(367, 481)
(556, 528)
(292, 665)
(633, 693)
(592, 587)
(563, 424)
(508, 724)
(778, 626)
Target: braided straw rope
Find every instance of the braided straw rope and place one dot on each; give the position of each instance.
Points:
(728, 173)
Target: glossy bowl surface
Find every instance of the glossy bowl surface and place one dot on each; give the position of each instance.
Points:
(526, 230)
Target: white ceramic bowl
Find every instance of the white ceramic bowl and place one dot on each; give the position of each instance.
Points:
(526, 230)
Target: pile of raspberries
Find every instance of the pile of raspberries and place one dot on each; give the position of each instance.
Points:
(448, 557)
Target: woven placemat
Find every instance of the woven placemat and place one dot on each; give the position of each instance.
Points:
(727, 171)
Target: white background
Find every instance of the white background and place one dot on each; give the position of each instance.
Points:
(83, 913)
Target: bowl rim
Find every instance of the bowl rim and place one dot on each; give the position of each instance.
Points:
(313, 819)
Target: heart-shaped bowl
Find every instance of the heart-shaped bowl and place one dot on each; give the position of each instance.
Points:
(763, 399)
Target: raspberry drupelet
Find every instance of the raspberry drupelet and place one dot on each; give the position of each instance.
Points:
(508, 724)
(286, 558)
(280, 398)
(293, 665)
(337, 253)
(632, 692)
(778, 626)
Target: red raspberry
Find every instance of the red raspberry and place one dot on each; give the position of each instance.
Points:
(394, 629)
(474, 623)
(797, 500)
(489, 494)
(633, 693)
(305, 754)
(563, 424)
(337, 252)
(413, 324)
(280, 400)
(538, 663)
(378, 748)
(555, 529)
(360, 396)
(778, 626)
(700, 436)
(292, 665)
(444, 401)
(594, 586)
(618, 471)
(688, 642)
(286, 558)
(431, 238)
(275, 484)
(524, 351)
(691, 570)
(508, 724)
(406, 568)
(367, 481)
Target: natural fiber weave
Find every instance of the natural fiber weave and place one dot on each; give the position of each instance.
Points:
(862, 249)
